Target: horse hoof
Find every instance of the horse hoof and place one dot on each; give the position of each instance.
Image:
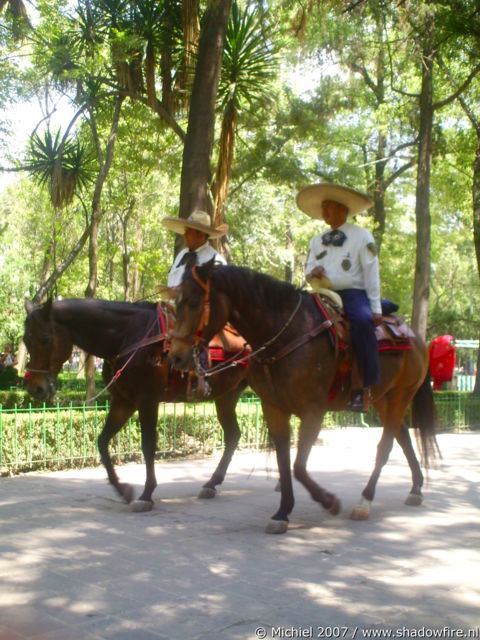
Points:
(206, 493)
(127, 492)
(140, 506)
(414, 499)
(276, 526)
(360, 512)
(336, 507)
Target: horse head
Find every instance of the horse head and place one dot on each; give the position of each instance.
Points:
(49, 346)
(195, 326)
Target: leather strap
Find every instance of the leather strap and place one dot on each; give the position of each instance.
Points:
(298, 342)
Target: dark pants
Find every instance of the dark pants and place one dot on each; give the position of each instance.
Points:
(362, 327)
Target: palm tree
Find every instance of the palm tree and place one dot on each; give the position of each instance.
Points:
(248, 65)
(20, 19)
(62, 164)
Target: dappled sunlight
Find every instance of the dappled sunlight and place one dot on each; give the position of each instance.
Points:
(74, 552)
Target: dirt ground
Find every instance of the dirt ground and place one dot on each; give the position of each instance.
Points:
(78, 564)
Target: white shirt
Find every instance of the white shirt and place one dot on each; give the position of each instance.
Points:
(204, 253)
(354, 265)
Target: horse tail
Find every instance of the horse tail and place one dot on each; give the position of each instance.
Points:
(424, 419)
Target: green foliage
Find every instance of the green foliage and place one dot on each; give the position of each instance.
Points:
(62, 164)
(309, 113)
(249, 62)
(57, 437)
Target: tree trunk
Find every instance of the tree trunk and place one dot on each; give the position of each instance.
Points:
(379, 196)
(223, 174)
(197, 150)
(136, 270)
(90, 293)
(290, 261)
(422, 206)
(105, 164)
(476, 233)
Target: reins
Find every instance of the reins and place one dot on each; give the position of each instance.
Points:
(234, 360)
(238, 358)
(133, 350)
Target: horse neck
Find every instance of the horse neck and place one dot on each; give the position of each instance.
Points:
(97, 327)
(259, 306)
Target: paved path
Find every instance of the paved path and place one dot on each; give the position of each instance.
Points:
(76, 564)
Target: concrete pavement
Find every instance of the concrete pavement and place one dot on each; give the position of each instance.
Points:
(77, 564)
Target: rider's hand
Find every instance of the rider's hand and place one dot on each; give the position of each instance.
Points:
(377, 318)
(317, 272)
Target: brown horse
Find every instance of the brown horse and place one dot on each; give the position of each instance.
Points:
(292, 369)
(131, 340)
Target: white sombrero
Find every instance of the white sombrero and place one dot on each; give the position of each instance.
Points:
(310, 199)
(198, 220)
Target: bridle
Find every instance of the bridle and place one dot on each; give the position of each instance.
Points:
(198, 340)
(53, 369)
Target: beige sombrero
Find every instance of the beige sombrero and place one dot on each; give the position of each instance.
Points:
(198, 220)
(310, 199)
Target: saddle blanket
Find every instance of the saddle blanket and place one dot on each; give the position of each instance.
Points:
(228, 344)
(393, 334)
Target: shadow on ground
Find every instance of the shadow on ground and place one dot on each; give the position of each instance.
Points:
(77, 563)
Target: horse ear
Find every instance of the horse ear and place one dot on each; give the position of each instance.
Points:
(47, 308)
(28, 306)
(206, 269)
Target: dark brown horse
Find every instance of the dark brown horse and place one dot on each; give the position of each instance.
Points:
(292, 369)
(122, 334)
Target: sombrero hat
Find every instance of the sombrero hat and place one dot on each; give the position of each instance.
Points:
(198, 220)
(310, 199)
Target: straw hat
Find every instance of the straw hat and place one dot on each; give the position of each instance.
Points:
(310, 199)
(198, 220)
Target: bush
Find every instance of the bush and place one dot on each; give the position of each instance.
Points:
(58, 437)
(9, 378)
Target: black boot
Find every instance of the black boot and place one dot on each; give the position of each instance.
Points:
(356, 401)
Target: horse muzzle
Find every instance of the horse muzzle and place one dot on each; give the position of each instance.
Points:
(180, 356)
(41, 388)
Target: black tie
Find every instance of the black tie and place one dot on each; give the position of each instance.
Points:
(188, 259)
(335, 237)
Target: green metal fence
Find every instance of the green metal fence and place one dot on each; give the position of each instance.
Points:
(59, 437)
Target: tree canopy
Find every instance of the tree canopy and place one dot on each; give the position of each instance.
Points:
(377, 95)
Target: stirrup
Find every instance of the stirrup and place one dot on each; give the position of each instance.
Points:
(357, 401)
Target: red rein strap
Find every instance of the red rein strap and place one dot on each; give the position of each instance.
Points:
(205, 317)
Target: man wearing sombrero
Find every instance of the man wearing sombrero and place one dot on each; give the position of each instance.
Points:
(196, 230)
(346, 258)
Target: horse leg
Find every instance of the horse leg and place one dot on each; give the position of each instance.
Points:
(415, 497)
(120, 411)
(148, 414)
(227, 417)
(384, 447)
(307, 435)
(279, 428)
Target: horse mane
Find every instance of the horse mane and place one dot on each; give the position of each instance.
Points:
(105, 311)
(255, 288)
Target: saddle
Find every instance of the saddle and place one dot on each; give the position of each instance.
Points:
(393, 335)
(226, 344)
